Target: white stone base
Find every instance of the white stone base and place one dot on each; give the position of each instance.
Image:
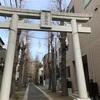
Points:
(43, 83)
(69, 91)
(82, 99)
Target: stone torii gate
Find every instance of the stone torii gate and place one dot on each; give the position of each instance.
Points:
(46, 18)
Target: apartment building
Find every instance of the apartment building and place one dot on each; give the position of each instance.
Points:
(90, 44)
(40, 75)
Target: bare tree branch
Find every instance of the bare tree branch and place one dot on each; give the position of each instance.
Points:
(10, 3)
(16, 3)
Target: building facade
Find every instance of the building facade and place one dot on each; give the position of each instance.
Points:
(40, 75)
(2, 58)
(90, 45)
(45, 71)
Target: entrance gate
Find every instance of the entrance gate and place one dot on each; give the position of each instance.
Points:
(46, 18)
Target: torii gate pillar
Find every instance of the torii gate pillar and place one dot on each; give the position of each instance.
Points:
(78, 61)
(8, 69)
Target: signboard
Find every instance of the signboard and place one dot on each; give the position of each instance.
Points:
(46, 19)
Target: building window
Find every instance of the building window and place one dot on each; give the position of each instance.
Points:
(68, 71)
(72, 10)
(86, 2)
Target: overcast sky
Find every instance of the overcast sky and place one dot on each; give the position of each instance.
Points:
(39, 46)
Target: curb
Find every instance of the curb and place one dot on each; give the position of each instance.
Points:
(26, 93)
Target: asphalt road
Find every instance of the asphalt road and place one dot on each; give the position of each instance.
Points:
(35, 94)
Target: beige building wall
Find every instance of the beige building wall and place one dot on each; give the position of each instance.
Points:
(40, 73)
(90, 43)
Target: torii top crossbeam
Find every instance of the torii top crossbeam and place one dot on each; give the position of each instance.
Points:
(46, 18)
(25, 13)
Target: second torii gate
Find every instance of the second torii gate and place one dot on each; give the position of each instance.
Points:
(46, 18)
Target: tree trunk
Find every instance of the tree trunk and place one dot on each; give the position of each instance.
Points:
(21, 68)
(50, 77)
(36, 76)
(25, 73)
(63, 62)
(63, 70)
(50, 71)
(14, 66)
(53, 73)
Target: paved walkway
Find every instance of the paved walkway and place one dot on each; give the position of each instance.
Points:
(32, 93)
(53, 95)
(42, 93)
